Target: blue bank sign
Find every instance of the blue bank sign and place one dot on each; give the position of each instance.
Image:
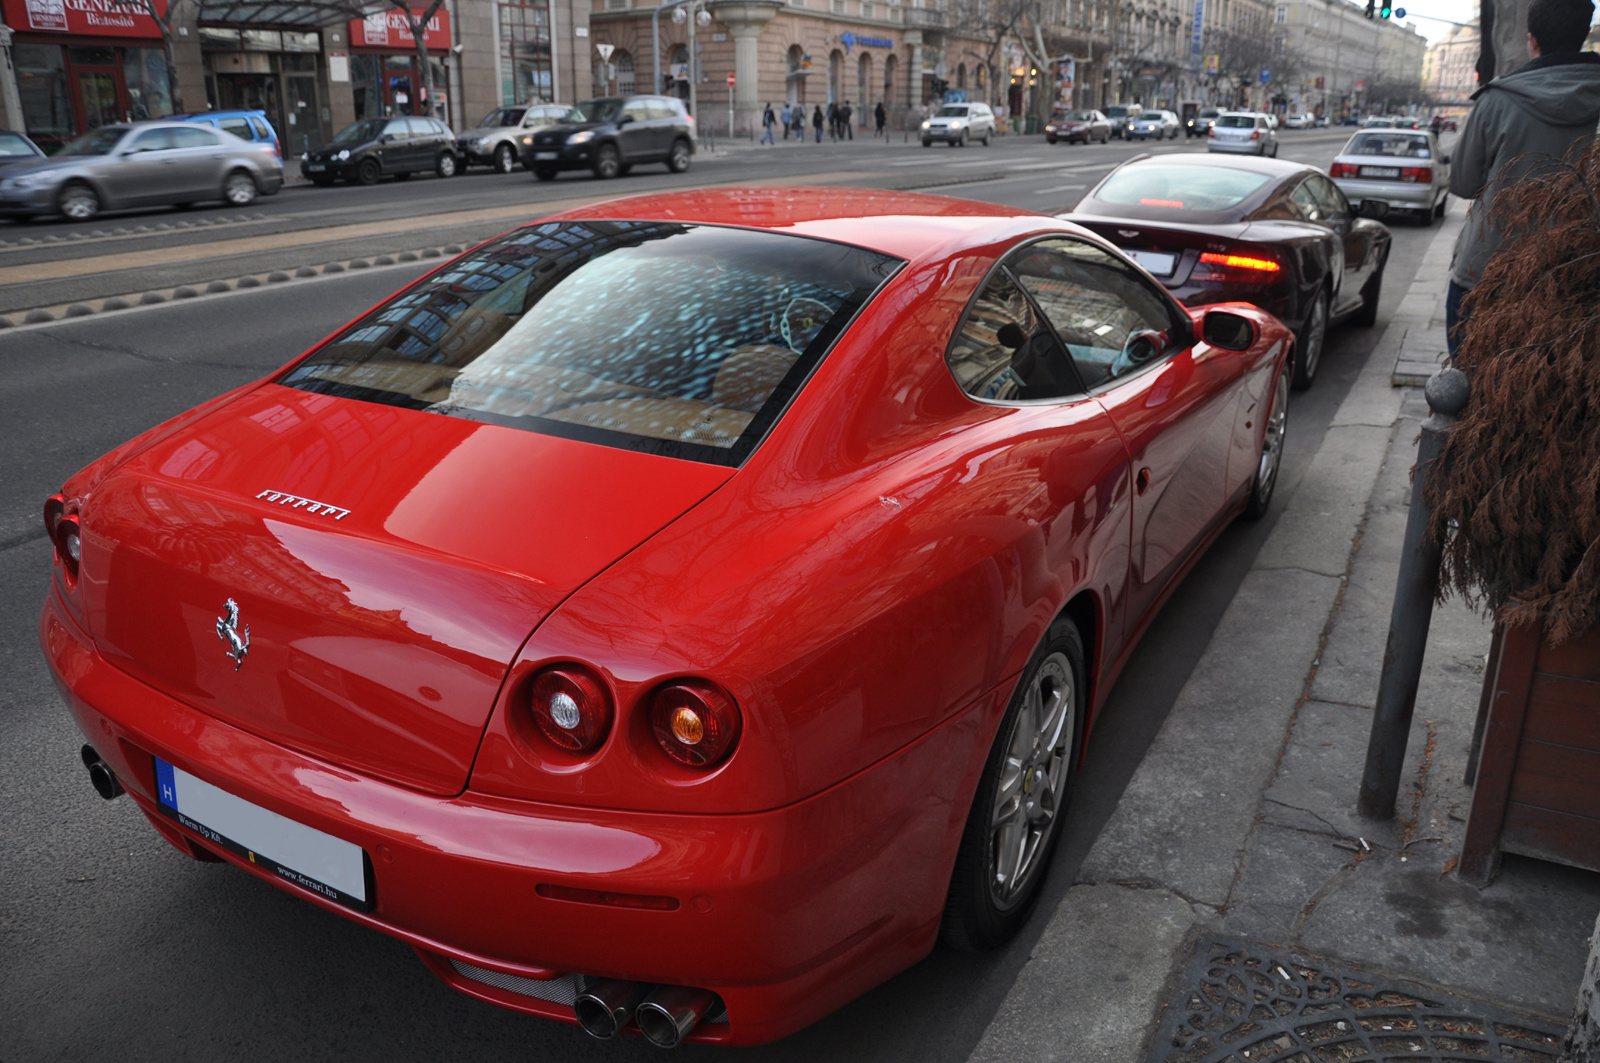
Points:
(848, 39)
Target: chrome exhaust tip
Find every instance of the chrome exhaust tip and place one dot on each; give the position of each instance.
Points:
(101, 777)
(668, 1014)
(605, 1007)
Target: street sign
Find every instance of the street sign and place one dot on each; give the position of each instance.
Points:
(1213, 64)
(605, 51)
(1266, 74)
(730, 81)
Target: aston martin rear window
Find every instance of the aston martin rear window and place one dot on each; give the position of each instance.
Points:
(1180, 188)
(683, 340)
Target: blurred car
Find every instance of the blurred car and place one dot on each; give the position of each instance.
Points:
(246, 125)
(1120, 117)
(958, 123)
(1272, 120)
(1350, 119)
(1082, 126)
(1161, 125)
(1298, 120)
(1449, 125)
(610, 135)
(1200, 124)
(648, 767)
(1387, 170)
(1277, 234)
(16, 147)
(145, 164)
(1320, 122)
(1378, 121)
(1243, 133)
(496, 141)
(367, 151)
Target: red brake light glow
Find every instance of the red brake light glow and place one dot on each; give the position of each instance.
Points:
(1343, 169)
(571, 707)
(695, 722)
(1260, 265)
(1162, 203)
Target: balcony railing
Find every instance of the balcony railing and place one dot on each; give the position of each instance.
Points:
(924, 18)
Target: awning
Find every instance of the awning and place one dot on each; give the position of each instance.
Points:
(277, 14)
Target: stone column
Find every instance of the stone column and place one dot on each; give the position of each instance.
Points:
(745, 20)
(913, 39)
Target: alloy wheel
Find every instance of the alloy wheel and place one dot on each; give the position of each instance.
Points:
(678, 161)
(79, 203)
(1030, 788)
(239, 190)
(445, 165)
(1272, 444)
(606, 163)
(504, 160)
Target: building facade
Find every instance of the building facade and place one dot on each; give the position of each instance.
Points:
(1339, 62)
(1449, 71)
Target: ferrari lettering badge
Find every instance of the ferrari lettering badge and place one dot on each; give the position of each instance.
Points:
(228, 631)
(284, 498)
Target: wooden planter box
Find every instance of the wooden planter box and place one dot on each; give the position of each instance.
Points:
(1535, 755)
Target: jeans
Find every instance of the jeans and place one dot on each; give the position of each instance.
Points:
(1453, 317)
(766, 138)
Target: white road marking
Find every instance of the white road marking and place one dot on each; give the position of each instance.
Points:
(1057, 188)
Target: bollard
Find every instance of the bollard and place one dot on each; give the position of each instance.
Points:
(1415, 589)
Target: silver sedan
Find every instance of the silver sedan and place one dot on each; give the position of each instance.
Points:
(1243, 133)
(145, 164)
(1380, 170)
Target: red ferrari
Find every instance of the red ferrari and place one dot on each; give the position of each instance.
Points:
(675, 615)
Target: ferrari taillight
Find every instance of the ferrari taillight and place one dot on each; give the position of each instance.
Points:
(1343, 169)
(571, 707)
(695, 722)
(1420, 175)
(65, 535)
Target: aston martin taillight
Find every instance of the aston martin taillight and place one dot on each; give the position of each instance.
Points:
(571, 707)
(695, 722)
(1217, 267)
(64, 533)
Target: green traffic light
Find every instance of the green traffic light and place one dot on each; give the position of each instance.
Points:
(1384, 11)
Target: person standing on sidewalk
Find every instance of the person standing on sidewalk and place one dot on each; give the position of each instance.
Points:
(816, 120)
(787, 116)
(845, 132)
(768, 120)
(1521, 125)
(879, 117)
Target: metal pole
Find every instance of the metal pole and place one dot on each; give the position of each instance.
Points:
(655, 39)
(1415, 588)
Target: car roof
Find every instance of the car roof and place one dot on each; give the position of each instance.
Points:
(1278, 168)
(907, 225)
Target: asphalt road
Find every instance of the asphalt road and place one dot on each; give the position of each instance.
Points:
(115, 947)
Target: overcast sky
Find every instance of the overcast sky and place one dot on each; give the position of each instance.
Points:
(1451, 9)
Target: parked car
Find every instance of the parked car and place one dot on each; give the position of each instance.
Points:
(1082, 126)
(1350, 119)
(367, 151)
(496, 141)
(145, 164)
(1378, 121)
(1161, 125)
(958, 123)
(246, 125)
(1298, 120)
(1120, 117)
(1272, 120)
(1243, 133)
(610, 135)
(1385, 170)
(1320, 122)
(1200, 124)
(1277, 234)
(1449, 125)
(16, 147)
(1407, 121)
(798, 681)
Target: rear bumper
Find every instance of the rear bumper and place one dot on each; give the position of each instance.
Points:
(1237, 147)
(1397, 194)
(785, 914)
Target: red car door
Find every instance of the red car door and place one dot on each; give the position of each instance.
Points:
(1174, 407)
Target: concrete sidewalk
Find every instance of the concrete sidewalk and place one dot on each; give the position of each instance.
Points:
(1240, 821)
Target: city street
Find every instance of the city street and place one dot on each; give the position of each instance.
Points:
(115, 945)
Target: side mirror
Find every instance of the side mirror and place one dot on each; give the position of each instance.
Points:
(624, 120)
(1374, 208)
(1231, 332)
(386, 138)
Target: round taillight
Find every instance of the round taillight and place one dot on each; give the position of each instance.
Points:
(695, 722)
(64, 534)
(571, 707)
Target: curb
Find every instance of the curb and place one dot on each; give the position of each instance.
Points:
(1420, 317)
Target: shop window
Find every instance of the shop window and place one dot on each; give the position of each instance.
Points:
(144, 71)
(301, 42)
(263, 40)
(890, 65)
(216, 37)
(525, 53)
(42, 85)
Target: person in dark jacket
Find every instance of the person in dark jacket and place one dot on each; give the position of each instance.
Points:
(768, 120)
(845, 132)
(879, 116)
(1521, 125)
(817, 120)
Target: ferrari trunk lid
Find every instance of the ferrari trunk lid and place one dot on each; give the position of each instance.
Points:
(353, 580)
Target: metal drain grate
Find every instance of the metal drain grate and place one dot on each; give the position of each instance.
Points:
(1248, 1003)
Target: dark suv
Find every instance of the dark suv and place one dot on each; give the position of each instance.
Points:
(369, 149)
(610, 135)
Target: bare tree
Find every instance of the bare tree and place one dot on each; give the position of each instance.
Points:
(164, 21)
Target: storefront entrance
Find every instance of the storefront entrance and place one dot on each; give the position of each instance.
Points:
(67, 90)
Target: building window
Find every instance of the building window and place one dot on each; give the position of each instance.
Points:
(864, 80)
(624, 63)
(1281, 15)
(525, 53)
(890, 63)
(867, 11)
(837, 6)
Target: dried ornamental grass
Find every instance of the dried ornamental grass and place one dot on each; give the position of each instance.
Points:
(1521, 471)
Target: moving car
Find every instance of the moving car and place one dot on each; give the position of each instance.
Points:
(1120, 117)
(957, 123)
(1277, 234)
(246, 125)
(1161, 125)
(676, 614)
(1298, 120)
(610, 135)
(1378, 121)
(1382, 170)
(1200, 124)
(496, 141)
(1243, 133)
(145, 164)
(16, 147)
(1084, 126)
(367, 151)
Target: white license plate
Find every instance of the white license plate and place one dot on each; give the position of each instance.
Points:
(545, 154)
(315, 167)
(1159, 263)
(336, 869)
(1380, 171)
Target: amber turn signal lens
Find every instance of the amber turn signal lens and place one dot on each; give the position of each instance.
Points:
(571, 707)
(695, 722)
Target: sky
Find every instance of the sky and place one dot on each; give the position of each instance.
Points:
(1458, 10)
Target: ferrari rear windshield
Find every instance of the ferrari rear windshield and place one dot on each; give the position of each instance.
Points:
(682, 340)
(1180, 188)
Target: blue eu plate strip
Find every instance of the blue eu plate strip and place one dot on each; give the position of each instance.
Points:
(166, 788)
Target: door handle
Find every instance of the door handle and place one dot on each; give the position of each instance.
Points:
(1142, 481)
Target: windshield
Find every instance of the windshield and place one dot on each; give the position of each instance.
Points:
(1237, 121)
(1116, 112)
(1180, 188)
(951, 112)
(1074, 116)
(361, 132)
(1209, 113)
(680, 340)
(96, 141)
(505, 116)
(601, 110)
(1399, 145)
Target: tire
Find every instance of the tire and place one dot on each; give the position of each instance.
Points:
(1049, 140)
(1021, 799)
(239, 189)
(1425, 217)
(607, 163)
(625, 169)
(1444, 204)
(445, 164)
(678, 159)
(78, 202)
(1276, 430)
(545, 173)
(1309, 341)
(505, 160)
(927, 143)
(988, 136)
(1371, 292)
(368, 172)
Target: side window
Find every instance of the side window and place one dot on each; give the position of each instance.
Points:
(238, 127)
(635, 110)
(152, 140)
(396, 128)
(262, 132)
(194, 137)
(662, 109)
(1305, 198)
(1111, 321)
(1005, 351)
(1329, 197)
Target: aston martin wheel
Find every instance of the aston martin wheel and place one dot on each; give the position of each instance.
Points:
(78, 202)
(1309, 340)
(505, 160)
(1015, 819)
(607, 163)
(1277, 428)
(239, 189)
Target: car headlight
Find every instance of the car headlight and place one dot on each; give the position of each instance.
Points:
(21, 182)
(527, 141)
(925, 123)
(956, 124)
(581, 138)
(344, 154)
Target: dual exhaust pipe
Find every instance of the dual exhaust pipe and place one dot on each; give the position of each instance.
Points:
(101, 777)
(664, 1014)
